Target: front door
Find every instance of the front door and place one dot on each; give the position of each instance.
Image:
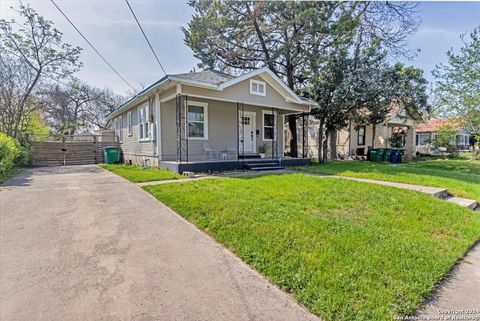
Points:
(247, 128)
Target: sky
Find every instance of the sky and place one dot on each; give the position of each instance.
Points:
(109, 25)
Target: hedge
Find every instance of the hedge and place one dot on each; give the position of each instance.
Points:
(10, 153)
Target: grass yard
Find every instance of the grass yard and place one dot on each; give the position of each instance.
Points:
(459, 177)
(137, 174)
(346, 250)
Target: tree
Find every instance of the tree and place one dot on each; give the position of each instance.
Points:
(246, 35)
(458, 83)
(286, 36)
(445, 136)
(38, 46)
(351, 85)
(15, 76)
(77, 106)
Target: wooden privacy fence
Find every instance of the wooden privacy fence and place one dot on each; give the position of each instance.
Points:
(70, 150)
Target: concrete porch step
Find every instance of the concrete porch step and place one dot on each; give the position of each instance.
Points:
(261, 164)
(266, 168)
(465, 202)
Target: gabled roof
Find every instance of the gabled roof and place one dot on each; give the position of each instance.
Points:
(208, 76)
(217, 80)
(434, 124)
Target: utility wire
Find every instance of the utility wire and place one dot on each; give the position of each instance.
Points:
(146, 38)
(93, 47)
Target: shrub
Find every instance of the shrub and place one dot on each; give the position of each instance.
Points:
(9, 153)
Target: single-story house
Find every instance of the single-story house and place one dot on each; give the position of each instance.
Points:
(355, 140)
(207, 121)
(397, 130)
(426, 133)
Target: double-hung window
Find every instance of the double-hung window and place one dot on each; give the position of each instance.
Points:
(268, 125)
(129, 123)
(119, 128)
(143, 132)
(258, 88)
(197, 120)
(361, 135)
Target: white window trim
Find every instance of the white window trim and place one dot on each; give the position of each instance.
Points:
(258, 82)
(129, 124)
(364, 127)
(275, 122)
(119, 128)
(148, 137)
(205, 120)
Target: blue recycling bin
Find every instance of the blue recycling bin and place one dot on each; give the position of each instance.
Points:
(394, 156)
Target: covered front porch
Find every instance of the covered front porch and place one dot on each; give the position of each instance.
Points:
(214, 135)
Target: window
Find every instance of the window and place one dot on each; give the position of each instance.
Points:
(119, 129)
(143, 132)
(423, 139)
(197, 120)
(129, 123)
(361, 136)
(268, 125)
(258, 88)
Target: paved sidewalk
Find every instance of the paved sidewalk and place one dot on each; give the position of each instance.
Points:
(80, 243)
(461, 290)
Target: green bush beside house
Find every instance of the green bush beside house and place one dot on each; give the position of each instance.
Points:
(12, 156)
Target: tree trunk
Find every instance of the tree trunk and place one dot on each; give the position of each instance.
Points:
(320, 140)
(23, 102)
(292, 125)
(325, 147)
(333, 145)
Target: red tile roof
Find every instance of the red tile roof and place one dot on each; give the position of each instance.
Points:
(432, 125)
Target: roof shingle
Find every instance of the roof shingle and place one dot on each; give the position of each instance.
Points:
(208, 76)
(434, 124)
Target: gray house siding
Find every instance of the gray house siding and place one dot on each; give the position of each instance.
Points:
(134, 150)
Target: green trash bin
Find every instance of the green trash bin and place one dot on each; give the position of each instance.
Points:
(376, 154)
(387, 154)
(111, 155)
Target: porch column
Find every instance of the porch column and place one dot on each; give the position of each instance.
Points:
(304, 135)
(274, 134)
(410, 148)
(240, 131)
(182, 128)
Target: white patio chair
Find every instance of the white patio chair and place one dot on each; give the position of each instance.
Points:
(208, 150)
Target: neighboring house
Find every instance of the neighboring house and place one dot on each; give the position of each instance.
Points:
(397, 130)
(355, 140)
(207, 120)
(426, 134)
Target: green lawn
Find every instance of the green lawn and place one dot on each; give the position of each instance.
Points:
(137, 174)
(9, 174)
(346, 250)
(459, 177)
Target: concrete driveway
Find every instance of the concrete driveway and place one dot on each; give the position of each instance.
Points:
(80, 243)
